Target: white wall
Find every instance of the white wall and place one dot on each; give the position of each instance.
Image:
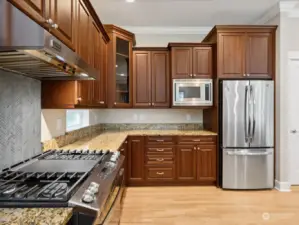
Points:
(287, 37)
(162, 40)
(148, 116)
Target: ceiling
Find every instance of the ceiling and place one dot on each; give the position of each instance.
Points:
(180, 13)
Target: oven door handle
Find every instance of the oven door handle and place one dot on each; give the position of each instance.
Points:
(113, 215)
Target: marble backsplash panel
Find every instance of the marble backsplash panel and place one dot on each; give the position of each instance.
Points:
(91, 131)
(20, 118)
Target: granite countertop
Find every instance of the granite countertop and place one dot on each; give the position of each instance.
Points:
(35, 216)
(113, 139)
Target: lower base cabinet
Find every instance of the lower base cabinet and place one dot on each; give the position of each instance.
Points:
(175, 161)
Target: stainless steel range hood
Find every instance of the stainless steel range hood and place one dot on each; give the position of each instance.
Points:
(28, 49)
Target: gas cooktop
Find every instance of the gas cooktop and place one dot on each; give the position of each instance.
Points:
(49, 179)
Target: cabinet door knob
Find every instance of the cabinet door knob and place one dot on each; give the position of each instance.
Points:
(149, 103)
(126, 142)
(79, 99)
(194, 75)
(122, 150)
(153, 103)
(198, 148)
(244, 75)
(114, 103)
(55, 26)
(248, 74)
(194, 148)
(102, 102)
(190, 75)
(49, 21)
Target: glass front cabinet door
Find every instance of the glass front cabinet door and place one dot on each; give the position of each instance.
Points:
(119, 91)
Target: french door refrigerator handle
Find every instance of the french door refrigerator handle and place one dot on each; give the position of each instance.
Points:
(232, 153)
(246, 114)
(252, 96)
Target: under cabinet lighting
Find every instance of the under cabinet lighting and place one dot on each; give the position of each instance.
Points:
(130, 1)
(84, 74)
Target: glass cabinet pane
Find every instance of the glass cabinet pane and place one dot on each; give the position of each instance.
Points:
(122, 71)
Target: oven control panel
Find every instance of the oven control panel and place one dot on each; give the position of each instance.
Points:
(97, 187)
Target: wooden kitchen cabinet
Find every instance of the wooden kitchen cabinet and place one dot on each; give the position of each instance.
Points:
(63, 14)
(100, 85)
(186, 162)
(135, 160)
(120, 58)
(66, 94)
(206, 162)
(260, 54)
(244, 51)
(191, 60)
(35, 9)
(83, 32)
(151, 78)
(124, 151)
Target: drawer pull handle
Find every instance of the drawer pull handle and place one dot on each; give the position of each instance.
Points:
(160, 150)
(196, 139)
(160, 160)
(160, 140)
(160, 173)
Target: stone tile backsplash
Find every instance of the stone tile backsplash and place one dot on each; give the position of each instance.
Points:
(20, 118)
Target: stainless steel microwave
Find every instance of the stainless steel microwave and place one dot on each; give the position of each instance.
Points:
(192, 92)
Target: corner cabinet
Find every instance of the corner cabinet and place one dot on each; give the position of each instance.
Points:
(120, 60)
(244, 51)
(151, 78)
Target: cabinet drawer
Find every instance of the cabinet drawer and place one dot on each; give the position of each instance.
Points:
(166, 173)
(160, 150)
(197, 139)
(160, 160)
(161, 140)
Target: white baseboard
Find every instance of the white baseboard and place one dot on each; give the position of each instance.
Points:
(282, 186)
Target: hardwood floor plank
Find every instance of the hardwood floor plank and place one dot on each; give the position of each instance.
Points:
(209, 206)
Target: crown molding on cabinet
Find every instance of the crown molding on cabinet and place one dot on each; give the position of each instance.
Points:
(289, 7)
(167, 30)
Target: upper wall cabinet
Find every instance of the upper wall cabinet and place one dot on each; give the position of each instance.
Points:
(120, 71)
(151, 79)
(62, 14)
(58, 17)
(35, 9)
(244, 51)
(191, 60)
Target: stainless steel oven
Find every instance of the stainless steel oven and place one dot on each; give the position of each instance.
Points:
(192, 92)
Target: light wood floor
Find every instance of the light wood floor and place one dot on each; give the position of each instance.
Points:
(209, 206)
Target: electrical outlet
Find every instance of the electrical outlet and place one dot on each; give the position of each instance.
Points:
(188, 117)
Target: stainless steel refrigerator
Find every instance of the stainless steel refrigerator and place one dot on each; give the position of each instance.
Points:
(247, 134)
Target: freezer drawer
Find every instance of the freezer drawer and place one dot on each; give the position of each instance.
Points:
(248, 169)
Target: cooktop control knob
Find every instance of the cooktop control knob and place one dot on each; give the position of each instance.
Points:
(115, 156)
(94, 184)
(87, 198)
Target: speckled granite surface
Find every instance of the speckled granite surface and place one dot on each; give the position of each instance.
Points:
(113, 139)
(36, 216)
(91, 131)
